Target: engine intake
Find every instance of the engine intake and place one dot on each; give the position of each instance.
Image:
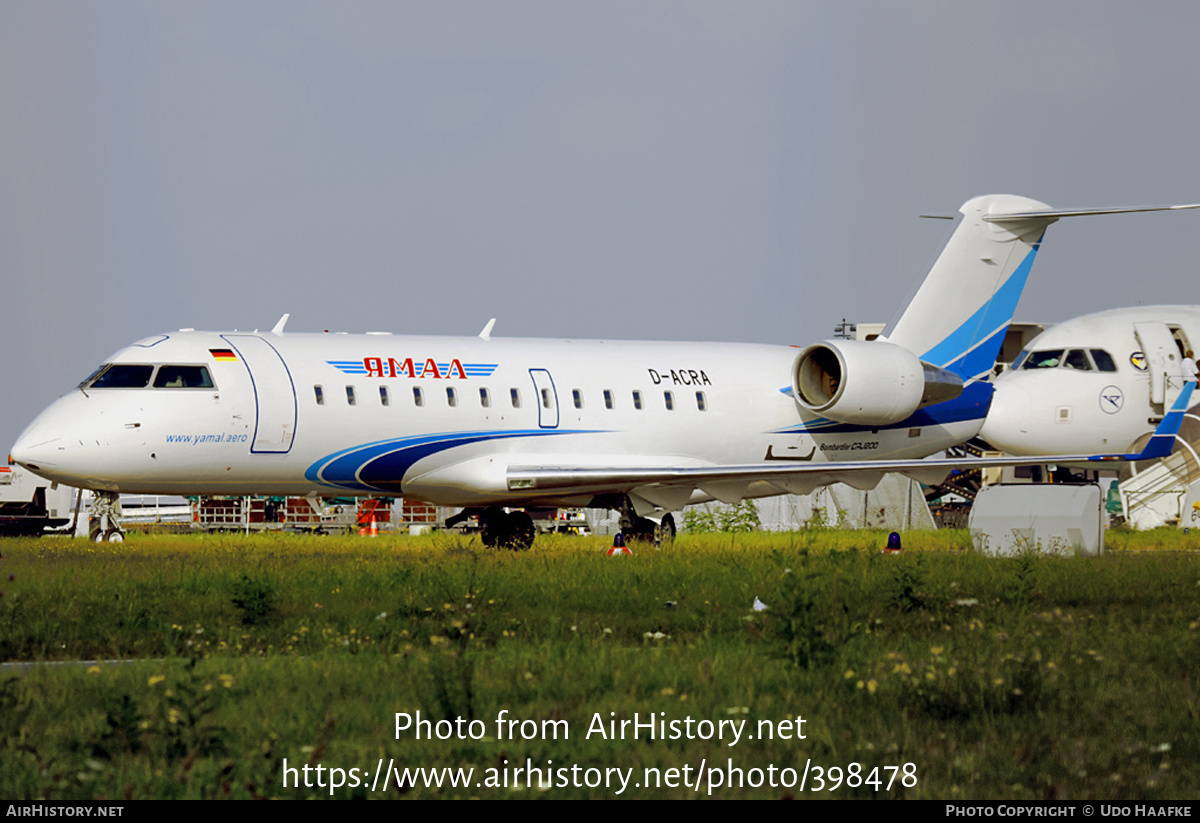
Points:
(868, 382)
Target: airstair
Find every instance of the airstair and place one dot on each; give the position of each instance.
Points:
(1155, 493)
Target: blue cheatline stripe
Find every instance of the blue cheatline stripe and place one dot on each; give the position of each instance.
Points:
(972, 404)
(380, 466)
(952, 353)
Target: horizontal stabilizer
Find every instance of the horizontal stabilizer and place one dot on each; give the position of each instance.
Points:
(1054, 214)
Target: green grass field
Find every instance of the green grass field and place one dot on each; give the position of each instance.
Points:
(934, 674)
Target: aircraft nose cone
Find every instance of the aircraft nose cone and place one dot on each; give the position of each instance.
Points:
(52, 440)
(1008, 418)
(37, 447)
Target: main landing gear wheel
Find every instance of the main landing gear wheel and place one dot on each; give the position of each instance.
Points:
(644, 530)
(665, 533)
(110, 535)
(507, 530)
(523, 530)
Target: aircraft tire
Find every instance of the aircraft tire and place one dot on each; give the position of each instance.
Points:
(492, 527)
(521, 531)
(641, 530)
(666, 530)
(490, 535)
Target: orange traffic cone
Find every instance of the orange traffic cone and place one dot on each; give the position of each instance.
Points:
(618, 547)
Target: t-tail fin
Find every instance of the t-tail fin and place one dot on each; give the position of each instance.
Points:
(958, 317)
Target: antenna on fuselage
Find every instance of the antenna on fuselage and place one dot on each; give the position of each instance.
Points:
(279, 326)
(486, 334)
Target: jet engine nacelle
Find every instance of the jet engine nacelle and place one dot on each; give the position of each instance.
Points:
(868, 382)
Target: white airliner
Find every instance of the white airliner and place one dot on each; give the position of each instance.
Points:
(1099, 382)
(486, 423)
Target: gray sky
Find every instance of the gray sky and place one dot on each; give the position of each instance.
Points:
(673, 170)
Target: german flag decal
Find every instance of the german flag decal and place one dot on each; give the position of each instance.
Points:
(223, 355)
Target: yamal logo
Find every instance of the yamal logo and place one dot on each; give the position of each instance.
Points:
(1138, 360)
(410, 367)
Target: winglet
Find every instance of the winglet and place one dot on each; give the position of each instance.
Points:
(486, 334)
(1160, 443)
(279, 326)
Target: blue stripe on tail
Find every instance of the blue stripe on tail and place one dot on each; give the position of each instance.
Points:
(971, 349)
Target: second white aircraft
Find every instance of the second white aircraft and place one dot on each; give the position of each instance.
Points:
(1101, 382)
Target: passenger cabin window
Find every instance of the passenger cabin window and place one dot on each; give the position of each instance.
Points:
(451, 397)
(182, 377)
(1104, 361)
(383, 396)
(515, 396)
(485, 399)
(350, 395)
(120, 376)
(608, 399)
(319, 393)
(669, 399)
(545, 398)
(418, 396)
(577, 396)
(701, 401)
(637, 399)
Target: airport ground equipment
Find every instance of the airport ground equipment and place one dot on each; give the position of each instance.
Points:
(29, 505)
(1048, 518)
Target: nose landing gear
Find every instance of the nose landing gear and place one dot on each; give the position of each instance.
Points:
(106, 518)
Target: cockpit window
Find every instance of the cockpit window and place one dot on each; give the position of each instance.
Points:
(87, 381)
(182, 377)
(1104, 361)
(122, 376)
(1078, 359)
(1048, 359)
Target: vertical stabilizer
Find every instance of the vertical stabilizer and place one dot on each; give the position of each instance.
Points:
(958, 317)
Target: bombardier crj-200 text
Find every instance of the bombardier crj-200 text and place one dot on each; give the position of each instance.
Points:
(643, 428)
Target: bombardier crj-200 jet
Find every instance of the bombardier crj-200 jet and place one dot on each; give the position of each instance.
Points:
(491, 424)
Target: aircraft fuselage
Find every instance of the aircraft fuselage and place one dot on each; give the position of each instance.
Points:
(1098, 382)
(440, 418)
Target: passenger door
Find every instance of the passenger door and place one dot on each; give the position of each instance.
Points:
(274, 394)
(547, 398)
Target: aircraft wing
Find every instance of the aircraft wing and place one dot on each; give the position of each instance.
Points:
(667, 484)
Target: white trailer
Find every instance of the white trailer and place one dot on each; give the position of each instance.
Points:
(29, 505)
